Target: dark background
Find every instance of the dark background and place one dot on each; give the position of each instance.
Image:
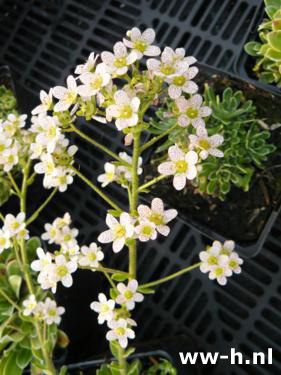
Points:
(43, 41)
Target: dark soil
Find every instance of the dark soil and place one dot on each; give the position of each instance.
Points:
(242, 215)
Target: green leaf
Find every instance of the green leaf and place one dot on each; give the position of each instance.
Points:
(273, 54)
(32, 245)
(114, 348)
(135, 367)
(11, 367)
(16, 282)
(62, 339)
(104, 370)
(274, 39)
(113, 293)
(146, 290)
(114, 368)
(63, 371)
(129, 352)
(13, 268)
(24, 357)
(119, 277)
(114, 213)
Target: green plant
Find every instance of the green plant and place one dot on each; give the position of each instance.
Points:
(245, 145)
(8, 102)
(268, 50)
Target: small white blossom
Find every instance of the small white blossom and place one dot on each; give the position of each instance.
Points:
(157, 215)
(181, 165)
(4, 240)
(46, 102)
(29, 305)
(64, 269)
(62, 178)
(23, 234)
(128, 295)
(207, 145)
(5, 143)
(234, 263)
(52, 233)
(183, 83)
(125, 110)
(88, 66)
(146, 230)
(93, 82)
(191, 111)
(91, 256)
(125, 170)
(210, 258)
(120, 331)
(141, 42)
(118, 62)
(10, 157)
(109, 176)
(220, 272)
(118, 232)
(13, 225)
(13, 123)
(36, 150)
(43, 261)
(67, 96)
(105, 308)
(49, 133)
(52, 312)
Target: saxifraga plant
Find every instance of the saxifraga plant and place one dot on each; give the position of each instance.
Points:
(268, 51)
(43, 148)
(245, 145)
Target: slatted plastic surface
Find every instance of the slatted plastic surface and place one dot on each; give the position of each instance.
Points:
(41, 44)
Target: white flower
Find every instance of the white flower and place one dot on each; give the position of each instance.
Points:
(62, 179)
(127, 171)
(52, 312)
(225, 248)
(157, 215)
(72, 249)
(93, 82)
(67, 234)
(13, 123)
(36, 150)
(172, 63)
(120, 331)
(92, 255)
(10, 157)
(23, 234)
(207, 145)
(49, 133)
(234, 263)
(29, 305)
(64, 269)
(109, 176)
(128, 295)
(118, 232)
(40, 312)
(146, 230)
(211, 258)
(46, 102)
(141, 42)
(13, 225)
(61, 222)
(46, 165)
(88, 66)
(48, 278)
(191, 111)
(118, 62)
(52, 233)
(5, 143)
(43, 261)
(67, 96)
(4, 240)
(181, 165)
(220, 272)
(104, 308)
(183, 83)
(125, 110)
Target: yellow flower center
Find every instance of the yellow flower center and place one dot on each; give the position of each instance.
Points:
(67, 237)
(120, 331)
(233, 263)
(62, 180)
(181, 166)
(51, 133)
(15, 225)
(147, 230)
(203, 143)
(212, 260)
(62, 271)
(104, 309)
(192, 113)
(53, 233)
(70, 97)
(179, 81)
(219, 272)
(140, 45)
(110, 176)
(157, 219)
(92, 257)
(128, 294)
(126, 111)
(167, 69)
(2, 241)
(52, 312)
(11, 159)
(2, 147)
(96, 82)
(120, 62)
(31, 306)
(119, 231)
(50, 167)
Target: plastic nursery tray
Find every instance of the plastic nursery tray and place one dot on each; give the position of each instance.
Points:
(43, 41)
(245, 248)
(245, 62)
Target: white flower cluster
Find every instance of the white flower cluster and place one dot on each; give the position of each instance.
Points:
(145, 226)
(58, 267)
(121, 174)
(47, 310)
(52, 148)
(14, 227)
(221, 261)
(120, 326)
(11, 133)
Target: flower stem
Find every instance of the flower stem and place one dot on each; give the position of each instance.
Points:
(98, 145)
(37, 212)
(133, 205)
(152, 182)
(9, 299)
(156, 139)
(14, 183)
(96, 189)
(172, 276)
(122, 361)
(103, 269)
